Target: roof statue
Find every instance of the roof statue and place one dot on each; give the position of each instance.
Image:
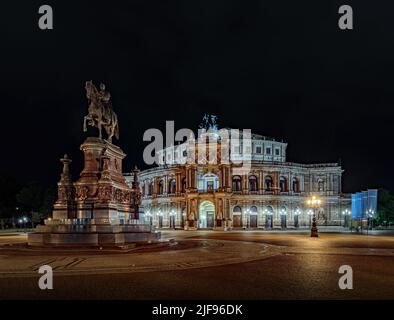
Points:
(100, 112)
(209, 122)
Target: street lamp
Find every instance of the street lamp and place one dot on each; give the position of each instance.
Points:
(160, 214)
(172, 218)
(346, 213)
(148, 214)
(370, 214)
(282, 213)
(296, 214)
(247, 217)
(314, 203)
(310, 213)
(268, 213)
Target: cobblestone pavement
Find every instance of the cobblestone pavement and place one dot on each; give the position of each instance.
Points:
(206, 264)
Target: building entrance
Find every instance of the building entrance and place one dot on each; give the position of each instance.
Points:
(206, 215)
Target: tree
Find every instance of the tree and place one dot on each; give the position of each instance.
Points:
(30, 197)
(385, 210)
(9, 187)
(35, 200)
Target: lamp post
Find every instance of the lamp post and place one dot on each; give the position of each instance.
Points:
(296, 215)
(346, 213)
(370, 214)
(314, 203)
(172, 218)
(247, 218)
(282, 214)
(268, 213)
(160, 214)
(24, 223)
(310, 213)
(149, 215)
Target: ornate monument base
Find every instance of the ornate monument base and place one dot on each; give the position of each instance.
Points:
(99, 208)
(91, 234)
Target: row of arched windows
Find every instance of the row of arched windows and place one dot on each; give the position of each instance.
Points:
(268, 184)
(148, 186)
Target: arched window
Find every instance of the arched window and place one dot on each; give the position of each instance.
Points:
(268, 212)
(237, 210)
(161, 187)
(143, 189)
(283, 217)
(268, 183)
(296, 185)
(237, 183)
(208, 182)
(172, 186)
(151, 187)
(320, 184)
(252, 183)
(183, 185)
(283, 184)
(237, 217)
(253, 210)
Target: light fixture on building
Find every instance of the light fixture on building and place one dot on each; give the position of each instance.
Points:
(297, 212)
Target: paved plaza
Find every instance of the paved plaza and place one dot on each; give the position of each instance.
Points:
(206, 265)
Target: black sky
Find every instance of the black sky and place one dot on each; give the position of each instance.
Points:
(281, 68)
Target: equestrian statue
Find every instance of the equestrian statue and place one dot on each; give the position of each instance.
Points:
(100, 113)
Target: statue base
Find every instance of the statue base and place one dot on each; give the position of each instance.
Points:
(91, 234)
(100, 208)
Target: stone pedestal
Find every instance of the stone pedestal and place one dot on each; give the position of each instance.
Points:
(99, 208)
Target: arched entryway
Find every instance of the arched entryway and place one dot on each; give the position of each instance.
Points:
(237, 217)
(206, 215)
(283, 217)
(268, 212)
(253, 217)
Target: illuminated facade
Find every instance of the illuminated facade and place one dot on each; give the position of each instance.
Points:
(270, 193)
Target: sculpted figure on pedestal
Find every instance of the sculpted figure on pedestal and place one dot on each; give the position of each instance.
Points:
(100, 111)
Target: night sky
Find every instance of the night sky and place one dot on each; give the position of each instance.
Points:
(281, 68)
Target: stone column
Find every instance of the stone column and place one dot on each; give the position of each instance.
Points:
(178, 217)
(165, 187)
(229, 179)
(155, 186)
(245, 180)
(221, 178)
(193, 175)
(275, 177)
(261, 182)
(178, 183)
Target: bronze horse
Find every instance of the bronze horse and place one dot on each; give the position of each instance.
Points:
(100, 113)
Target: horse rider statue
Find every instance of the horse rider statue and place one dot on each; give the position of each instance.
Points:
(100, 113)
